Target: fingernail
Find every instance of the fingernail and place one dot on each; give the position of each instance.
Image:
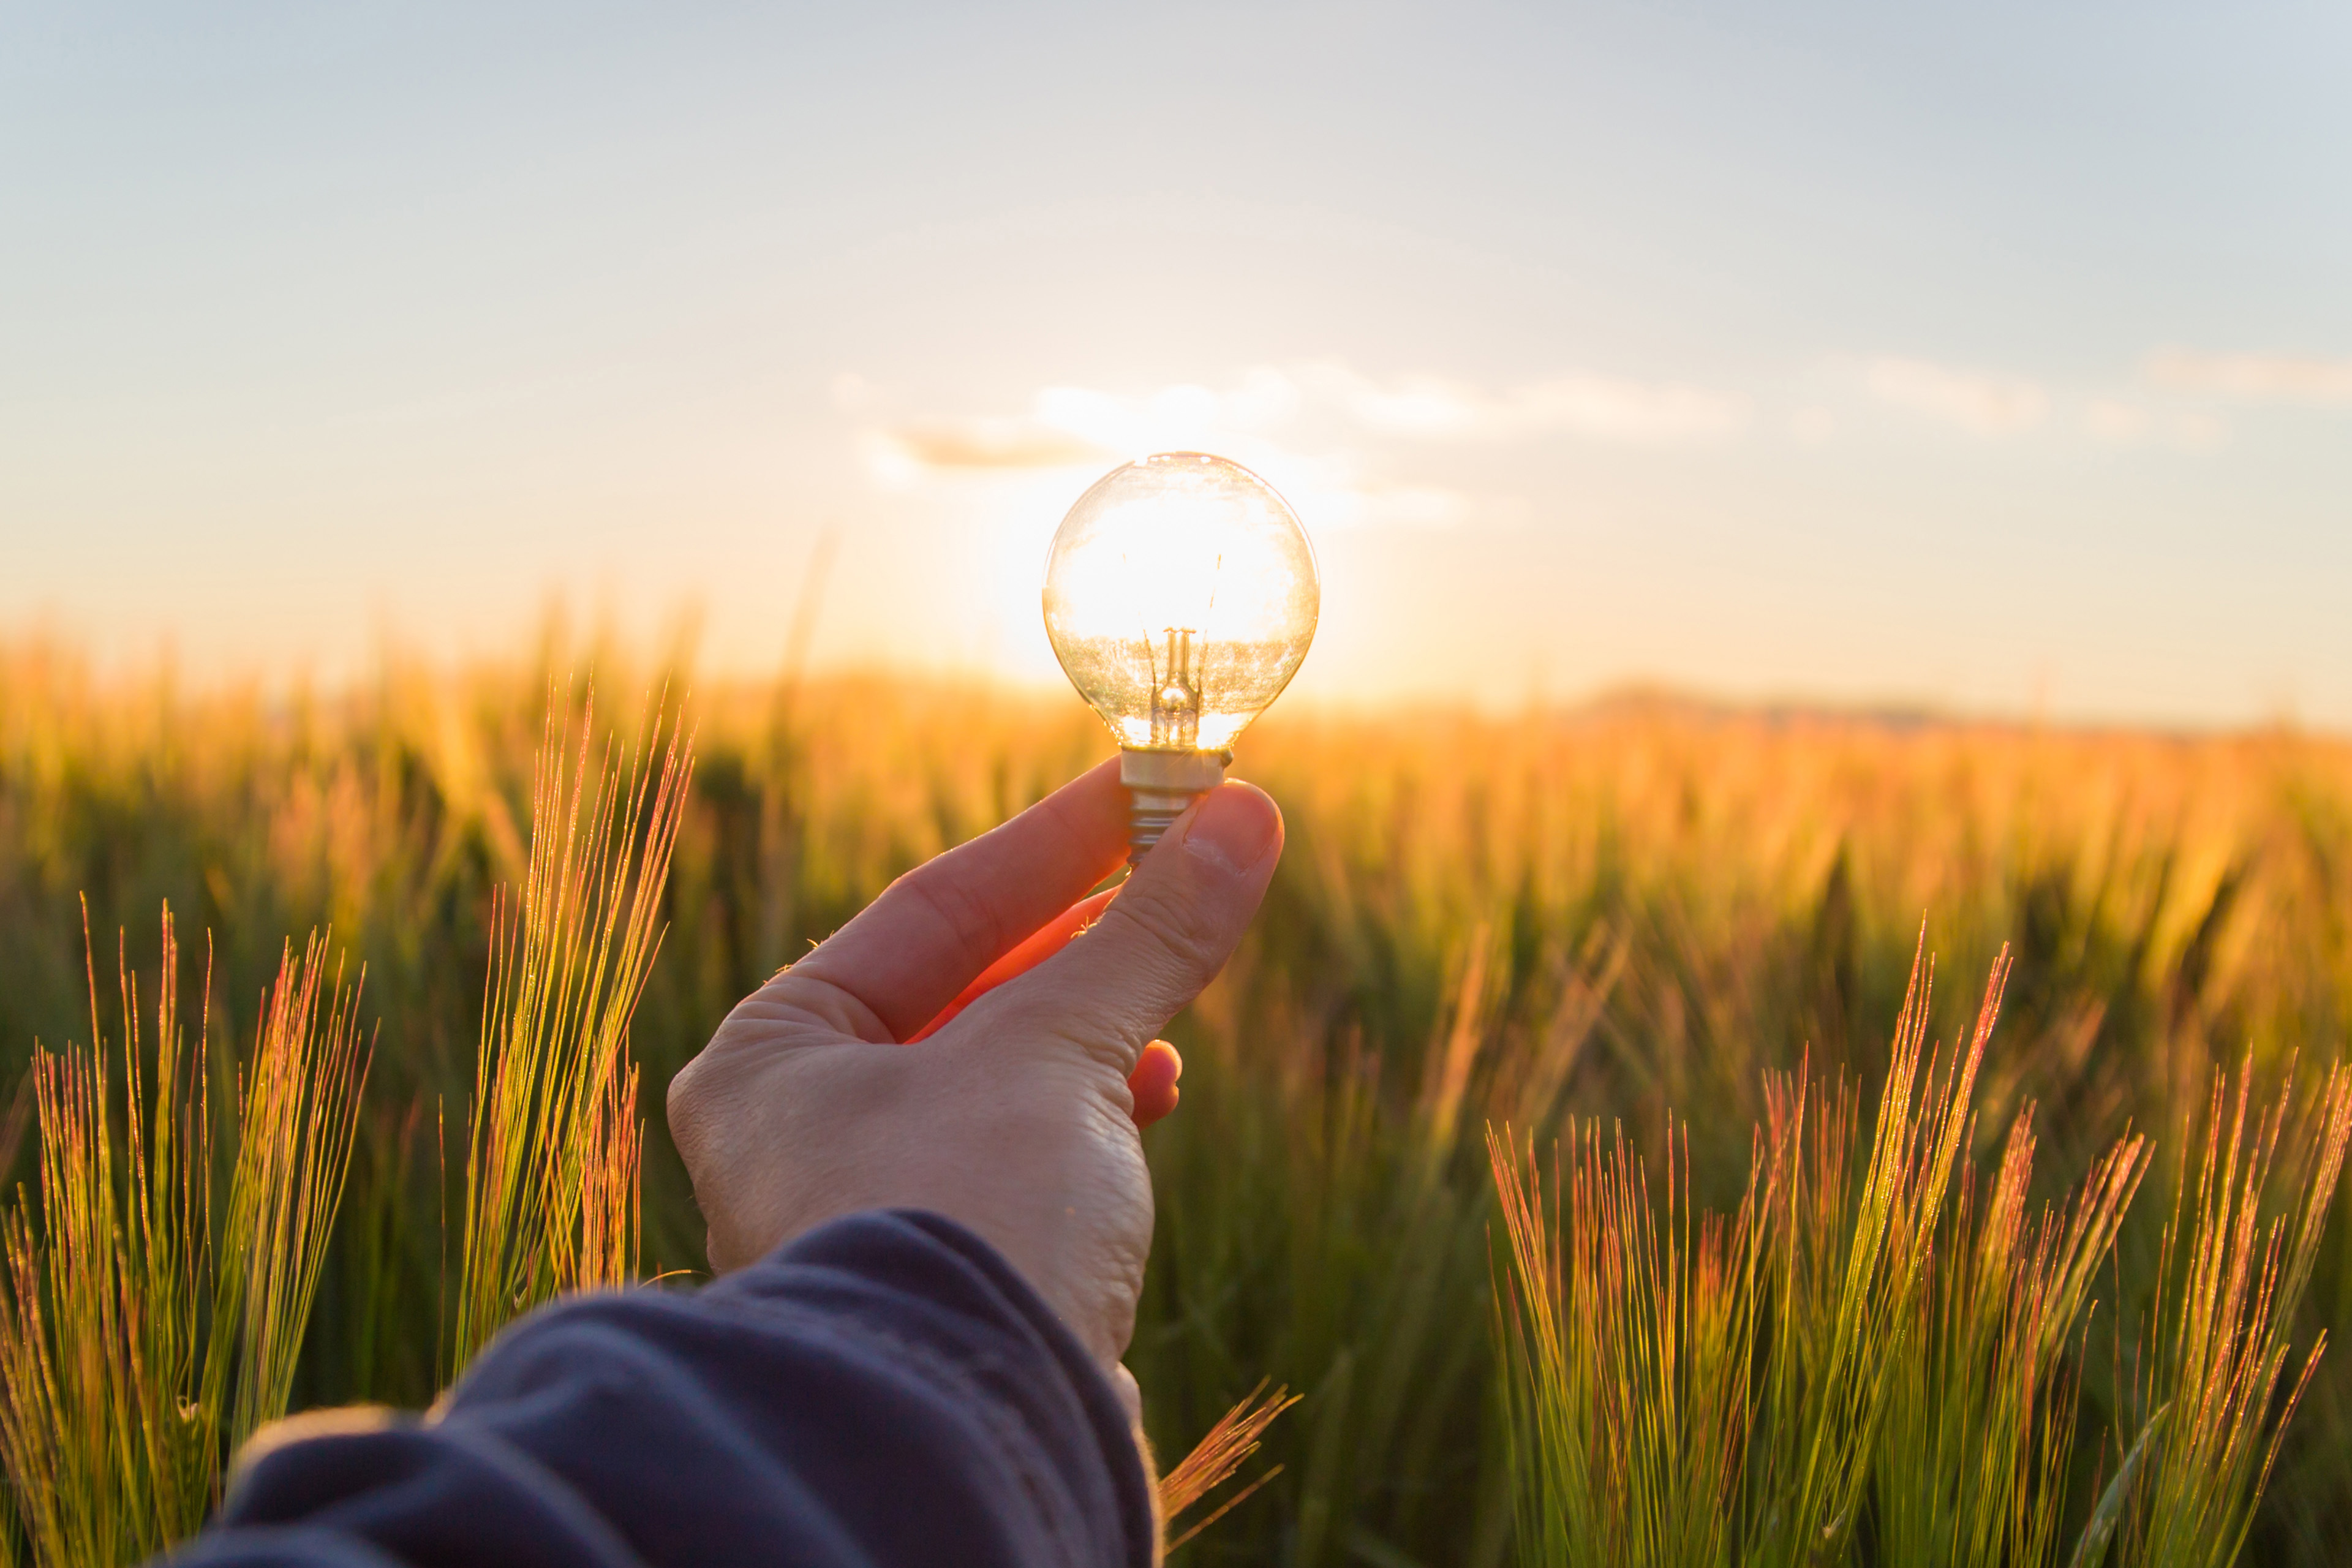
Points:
(1233, 828)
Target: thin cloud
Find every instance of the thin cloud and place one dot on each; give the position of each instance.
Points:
(2280, 378)
(994, 444)
(1306, 430)
(1595, 407)
(1069, 426)
(1973, 400)
(1602, 408)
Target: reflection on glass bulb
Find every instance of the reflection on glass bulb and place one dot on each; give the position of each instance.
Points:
(1180, 595)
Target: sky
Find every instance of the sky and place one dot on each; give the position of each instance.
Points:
(1992, 357)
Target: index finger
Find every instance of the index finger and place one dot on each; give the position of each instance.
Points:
(1027, 954)
(912, 951)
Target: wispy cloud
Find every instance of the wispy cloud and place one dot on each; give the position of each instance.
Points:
(1069, 426)
(992, 444)
(1182, 416)
(2286, 378)
(1976, 400)
(1325, 433)
(1595, 407)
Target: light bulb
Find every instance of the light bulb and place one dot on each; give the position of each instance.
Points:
(1180, 595)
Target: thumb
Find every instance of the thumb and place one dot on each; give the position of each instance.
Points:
(1174, 923)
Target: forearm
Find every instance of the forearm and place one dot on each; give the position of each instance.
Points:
(884, 1391)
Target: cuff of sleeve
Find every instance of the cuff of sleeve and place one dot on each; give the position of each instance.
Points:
(1076, 1416)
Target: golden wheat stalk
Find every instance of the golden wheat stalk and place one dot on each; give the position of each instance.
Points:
(1218, 1456)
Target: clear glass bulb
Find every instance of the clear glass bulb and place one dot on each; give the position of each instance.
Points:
(1181, 595)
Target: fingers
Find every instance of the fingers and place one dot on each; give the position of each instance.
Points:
(1176, 921)
(915, 948)
(1152, 1085)
(1047, 941)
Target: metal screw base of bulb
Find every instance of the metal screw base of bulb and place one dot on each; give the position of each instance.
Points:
(1161, 786)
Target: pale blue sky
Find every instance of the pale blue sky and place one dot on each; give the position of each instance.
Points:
(1996, 357)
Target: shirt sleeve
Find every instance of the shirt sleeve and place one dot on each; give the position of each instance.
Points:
(884, 1392)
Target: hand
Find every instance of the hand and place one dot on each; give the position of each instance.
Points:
(1013, 1108)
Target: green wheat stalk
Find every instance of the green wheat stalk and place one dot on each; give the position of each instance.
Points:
(1627, 1351)
(2230, 1284)
(1846, 1370)
(138, 1345)
(554, 1145)
(1973, 1458)
(1849, 1268)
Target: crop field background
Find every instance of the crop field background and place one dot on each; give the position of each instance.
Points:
(1628, 912)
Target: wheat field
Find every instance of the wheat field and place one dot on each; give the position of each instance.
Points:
(1630, 920)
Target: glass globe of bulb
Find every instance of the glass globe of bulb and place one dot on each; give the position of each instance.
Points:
(1180, 597)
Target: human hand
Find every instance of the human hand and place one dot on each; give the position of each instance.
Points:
(1030, 1061)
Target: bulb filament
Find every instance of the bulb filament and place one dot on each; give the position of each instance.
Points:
(1176, 694)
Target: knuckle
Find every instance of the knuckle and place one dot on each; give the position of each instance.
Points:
(1190, 939)
(953, 903)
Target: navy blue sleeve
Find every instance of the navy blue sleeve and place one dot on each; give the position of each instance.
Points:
(885, 1391)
